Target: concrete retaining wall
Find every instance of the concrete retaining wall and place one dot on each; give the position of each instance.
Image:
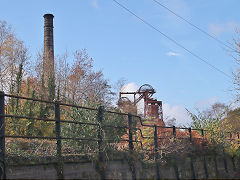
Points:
(181, 167)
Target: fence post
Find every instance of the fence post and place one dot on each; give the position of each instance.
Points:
(156, 151)
(205, 166)
(175, 166)
(238, 137)
(225, 162)
(100, 165)
(59, 142)
(190, 134)
(204, 158)
(131, 147)
(233, 163)
(215, 163)
(174, 131)
(2, 135)
(192, 167)
(191, 158)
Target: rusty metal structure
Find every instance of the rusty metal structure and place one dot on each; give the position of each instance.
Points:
(152, 107)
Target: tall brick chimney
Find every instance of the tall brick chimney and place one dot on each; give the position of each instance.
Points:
(48, 56)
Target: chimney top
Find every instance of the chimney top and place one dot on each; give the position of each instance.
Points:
(48, 15)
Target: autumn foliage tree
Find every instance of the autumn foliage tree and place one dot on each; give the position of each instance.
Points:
(13, 59)
(79, 83)
(75, 81)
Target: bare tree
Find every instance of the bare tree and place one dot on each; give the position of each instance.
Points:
(236, 55)
(13, 54)
(62, 73)
(79, 82)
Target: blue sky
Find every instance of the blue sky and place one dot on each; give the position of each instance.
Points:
(124, 47)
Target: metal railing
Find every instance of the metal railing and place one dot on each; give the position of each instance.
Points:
(100, 111)
(131, 131)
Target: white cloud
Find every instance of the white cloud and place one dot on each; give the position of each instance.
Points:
(173, 54)
(176, 111)
(94, 3)
(130, 87)
(203, 104)
(219, 28)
